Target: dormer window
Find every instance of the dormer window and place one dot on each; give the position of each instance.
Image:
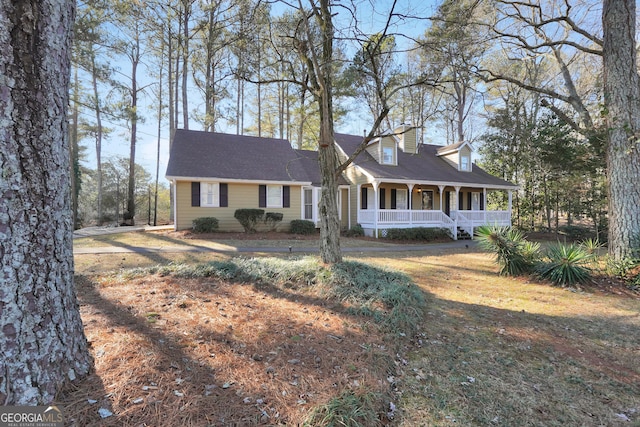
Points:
(387, 155)
(465, 163)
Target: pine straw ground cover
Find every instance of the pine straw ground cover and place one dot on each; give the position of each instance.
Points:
(240, 342)
(490, 350)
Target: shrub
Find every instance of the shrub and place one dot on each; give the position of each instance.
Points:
(248, 218)
(575, 232)
(355, 231)
(514, 254)
(565, 265)
(206, 224)
(302, 226)
(417, 233)
(272, 219)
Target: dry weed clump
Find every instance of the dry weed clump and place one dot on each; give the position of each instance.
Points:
(199, 351)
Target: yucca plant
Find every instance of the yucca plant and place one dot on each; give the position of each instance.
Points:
(565, 265)
(514, 254)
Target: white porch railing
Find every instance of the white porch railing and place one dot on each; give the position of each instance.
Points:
(404, 218)
(469, 220)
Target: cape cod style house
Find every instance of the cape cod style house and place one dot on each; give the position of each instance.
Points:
(393, 183)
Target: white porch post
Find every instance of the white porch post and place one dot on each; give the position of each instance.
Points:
(359, 203)
(510, 204)
(484, 205)
(457, 197)
(375, 209)
(441, 189)
(410, 204)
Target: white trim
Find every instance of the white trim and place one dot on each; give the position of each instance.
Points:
(175, 205)
(243, 181)
(445, 183)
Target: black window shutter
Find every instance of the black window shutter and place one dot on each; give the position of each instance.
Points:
(469, 200)
(262, 196)
(224, 195)
(481, 201)
(195, 194)
(394, 195)
(363, 198)
(460, 200)
(286, 196)
(382, 200)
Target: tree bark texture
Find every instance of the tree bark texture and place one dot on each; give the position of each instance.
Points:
(622, 101)
(330, 251)
(42, 343)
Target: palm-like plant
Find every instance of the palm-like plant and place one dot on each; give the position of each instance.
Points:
(514, 254)
(565, 265)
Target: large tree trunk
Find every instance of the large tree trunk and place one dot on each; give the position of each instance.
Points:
(330, 251)
(42, 343)
(622, 100)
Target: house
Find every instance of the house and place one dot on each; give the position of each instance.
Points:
(394, 183)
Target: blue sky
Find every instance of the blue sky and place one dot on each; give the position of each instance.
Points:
(371, 17)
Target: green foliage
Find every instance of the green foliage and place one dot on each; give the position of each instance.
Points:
(418, 234)
(592, 246)
(272, 219)
(302, 226)
(365, 286)
(623, 268)
(389, 297)
(355, 231)
(514, 254)
(565, 265)
(248, 218)
(205, 225)
(348, 409)
(575, 232)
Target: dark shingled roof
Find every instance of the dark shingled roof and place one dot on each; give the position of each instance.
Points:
(196, 154)
(423, 166)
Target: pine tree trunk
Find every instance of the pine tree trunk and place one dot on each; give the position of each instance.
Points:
(622, 100)
(42, 343)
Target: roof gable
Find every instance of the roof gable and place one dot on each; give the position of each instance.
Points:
(425, 165)
(453, 148)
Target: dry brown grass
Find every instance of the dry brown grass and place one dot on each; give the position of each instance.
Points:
(493, 351)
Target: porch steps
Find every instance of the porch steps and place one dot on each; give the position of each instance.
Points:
(463, 235)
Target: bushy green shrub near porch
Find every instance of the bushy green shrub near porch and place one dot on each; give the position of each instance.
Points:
(248, 218)
(417, 233)
(355, 231)
(302, 226)
(207, 224)
(272, 219)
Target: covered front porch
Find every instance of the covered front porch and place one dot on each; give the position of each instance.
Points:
(457, 208)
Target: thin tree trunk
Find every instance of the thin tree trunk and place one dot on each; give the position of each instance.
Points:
(73, 151)
(96, 94)
(42, 343)
(622, 100)
(185, 64)
(131, 189)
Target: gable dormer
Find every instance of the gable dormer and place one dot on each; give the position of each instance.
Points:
(407, 137)
(384, 149)
(457, 155)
